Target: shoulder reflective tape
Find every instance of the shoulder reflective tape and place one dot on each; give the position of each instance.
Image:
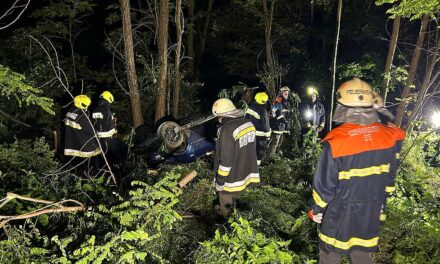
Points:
(383, 217)
(258, 162)
(82, 154)
(252, 113)
(97, 115)
(244, 132)
(345, 245)
(241, 128)
(278, 132)
(397, 155)
(390, 189)
(318, 200)
(363, 172)
(284, 110)
(107, 134)
(280, 116)
(239, 185)
(223, 170)
(72, 124)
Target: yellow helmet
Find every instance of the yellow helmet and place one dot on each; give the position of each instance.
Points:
(261, 98)
(107, 96)
(355, 93)
(222, 106)
(82, 101)
(312, 90)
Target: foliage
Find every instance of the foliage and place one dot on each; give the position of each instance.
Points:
(414, 9)
(244, 245)
(14, 86)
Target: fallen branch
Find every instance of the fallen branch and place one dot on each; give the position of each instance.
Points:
(51, 207)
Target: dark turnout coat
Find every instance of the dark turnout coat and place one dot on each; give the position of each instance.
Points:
(354, 175)
(104, 119)
(259, 117)
(281, 115)
(79, 138)
(235, 156)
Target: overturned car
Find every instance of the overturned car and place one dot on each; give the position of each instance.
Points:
(174, 143)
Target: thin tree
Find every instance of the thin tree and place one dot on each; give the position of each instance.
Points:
(412, 71)
(204, 36)
(136, 110)
(390, 56)
(338, 30)
(429, 79)
(268, 19)
(179, 32)
(190, 36)
(162, 42)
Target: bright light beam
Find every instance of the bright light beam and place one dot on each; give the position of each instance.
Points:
(435, 119)
(309, 114)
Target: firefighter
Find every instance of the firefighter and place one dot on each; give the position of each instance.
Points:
(105, 122)
(314, 112)
(80, 141)
(354, 176)
(279, 122)
(259, 117)
(235, 163)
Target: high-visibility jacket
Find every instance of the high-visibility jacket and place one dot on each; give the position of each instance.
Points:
(317, 118)
(259, 117)
(354, 175)
(235, 156)
(280, 115)
(79, 138)
(104, 119)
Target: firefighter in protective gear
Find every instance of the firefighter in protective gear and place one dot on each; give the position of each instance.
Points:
(235, 163)
(314, 113)
(354, 176)
(279, 122)
(79, 139)
(259, 117)
(104, 120)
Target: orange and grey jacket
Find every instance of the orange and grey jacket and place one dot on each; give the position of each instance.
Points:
(104, 119)
(355, 174)
(235, 156)
(79, 138)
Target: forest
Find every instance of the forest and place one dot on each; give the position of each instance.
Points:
(168, 61)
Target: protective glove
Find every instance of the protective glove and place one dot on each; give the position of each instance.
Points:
(319, 129)
(315, 218)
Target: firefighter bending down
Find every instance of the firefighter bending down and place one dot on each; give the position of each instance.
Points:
(259, 117)
(235, 162)
(354, 176)
(80, 141)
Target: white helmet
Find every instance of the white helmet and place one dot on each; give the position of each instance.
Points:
(222, 107)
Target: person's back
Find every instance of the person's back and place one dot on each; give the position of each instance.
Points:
(79, 136)
(237, 153)
(366, 165)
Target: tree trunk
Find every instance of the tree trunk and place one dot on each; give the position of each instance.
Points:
(205, 31)
(268, 18)
(163, 60)
(390, 56)
(335, 55)
(190, 37)
(136, 110)
(428, 81)
(176, 94)
(412, 71)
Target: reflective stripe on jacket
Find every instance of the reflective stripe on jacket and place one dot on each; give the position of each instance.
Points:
(280, 115)
(235, 157)
(104, 119)
(79, 140)
(354, 174)
(259, 117)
